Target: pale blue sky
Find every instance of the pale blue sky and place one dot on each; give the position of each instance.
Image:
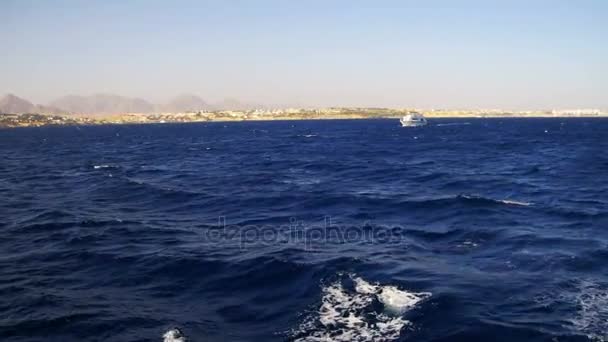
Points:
(474, 54)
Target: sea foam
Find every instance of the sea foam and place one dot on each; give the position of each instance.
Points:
(592, 310)
(174, 335)
(347, 315)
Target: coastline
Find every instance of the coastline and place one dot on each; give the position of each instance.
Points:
(40, 120)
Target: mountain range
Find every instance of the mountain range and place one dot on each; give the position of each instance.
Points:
(12, 104)
(105, 104)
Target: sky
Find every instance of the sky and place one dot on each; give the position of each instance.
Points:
(511, 54)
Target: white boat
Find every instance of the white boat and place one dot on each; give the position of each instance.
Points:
(413, 119)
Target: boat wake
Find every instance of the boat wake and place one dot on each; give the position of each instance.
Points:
(453, 124)
(359, 312)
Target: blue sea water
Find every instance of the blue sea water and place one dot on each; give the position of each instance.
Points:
(463, 230)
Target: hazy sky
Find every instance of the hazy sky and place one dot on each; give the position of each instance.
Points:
(508, 54)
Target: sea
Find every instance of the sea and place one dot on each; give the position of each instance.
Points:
(480, 229)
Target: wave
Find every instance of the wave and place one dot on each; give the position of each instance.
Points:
(383, 200)
(462, 199)
(47, 216)
(512, 202)
(490, 200)
(578, 212)
(363, 312)
(149, 191)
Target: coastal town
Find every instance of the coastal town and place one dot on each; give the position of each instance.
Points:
(106, 109)
(35, 119)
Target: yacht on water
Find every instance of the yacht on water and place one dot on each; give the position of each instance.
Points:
(413, 119)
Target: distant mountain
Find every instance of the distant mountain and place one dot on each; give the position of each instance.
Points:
(11, 104)
(185, 103)
(234, 104)
(103, 104)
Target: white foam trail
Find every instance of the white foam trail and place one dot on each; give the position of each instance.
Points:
(348, 316)
(174, 335)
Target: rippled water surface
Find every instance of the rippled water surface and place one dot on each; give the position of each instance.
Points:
(463, 230)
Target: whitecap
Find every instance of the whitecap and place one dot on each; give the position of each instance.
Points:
(105, 166)
(512, 202)
(467, 244)
(347, 315)
(364, 287)
(400, 301)
(302, 181)
(503, 201)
